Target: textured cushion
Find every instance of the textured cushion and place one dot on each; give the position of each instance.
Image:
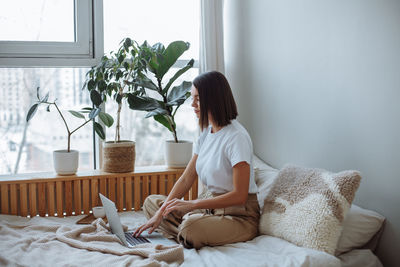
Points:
(359, 227)
(307, 206)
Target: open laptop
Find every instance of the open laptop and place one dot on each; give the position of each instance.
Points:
(126, 237)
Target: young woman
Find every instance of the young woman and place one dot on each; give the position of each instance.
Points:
(223, 162)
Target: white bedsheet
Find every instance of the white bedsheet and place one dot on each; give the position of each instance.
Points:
(261, 251)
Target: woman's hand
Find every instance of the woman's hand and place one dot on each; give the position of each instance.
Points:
(152, 223)
(180, 206)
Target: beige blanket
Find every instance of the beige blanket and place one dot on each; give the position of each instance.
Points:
(38, 242)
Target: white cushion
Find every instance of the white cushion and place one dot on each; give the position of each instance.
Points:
(359, 226)
(264, 176)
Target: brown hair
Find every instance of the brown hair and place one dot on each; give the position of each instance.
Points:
(216, 98)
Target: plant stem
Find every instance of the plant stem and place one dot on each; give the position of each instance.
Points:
(170, 116)
(66, 125)
(117, 135)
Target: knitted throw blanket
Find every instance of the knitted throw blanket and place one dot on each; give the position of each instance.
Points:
(36, 243)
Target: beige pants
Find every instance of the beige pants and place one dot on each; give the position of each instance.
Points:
(210, 227)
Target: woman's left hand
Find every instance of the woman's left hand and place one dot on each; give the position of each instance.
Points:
(180, 206)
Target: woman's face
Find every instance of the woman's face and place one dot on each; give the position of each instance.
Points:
(195, 101)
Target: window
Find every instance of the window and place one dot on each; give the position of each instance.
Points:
(51, 33)
(28, 147)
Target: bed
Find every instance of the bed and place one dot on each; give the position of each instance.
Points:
(37, 247)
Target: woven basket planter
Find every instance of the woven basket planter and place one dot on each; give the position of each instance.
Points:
(119, 157)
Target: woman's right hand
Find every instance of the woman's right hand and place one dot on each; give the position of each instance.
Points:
(152, 223)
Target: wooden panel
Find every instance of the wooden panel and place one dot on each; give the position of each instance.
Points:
(42, 199)
(136, 194)
(128, 193)
(13, 199)
(23, 195)
(60, 198)
(111, 189)
(51, 202)
(68, 198)
(56, 195)
(153, 184)
(4, 199)
(103, 189)
(120, 194)
(161, 185)
(32, 200)
(94, 186)
(170, 182)
(77, 197)
(145, 187)
(85, 196)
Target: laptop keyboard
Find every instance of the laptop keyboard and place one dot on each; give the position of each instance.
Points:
(135, 240)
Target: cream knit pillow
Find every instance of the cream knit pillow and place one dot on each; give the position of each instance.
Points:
(307, 206)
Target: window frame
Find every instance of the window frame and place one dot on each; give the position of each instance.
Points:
(86, 51)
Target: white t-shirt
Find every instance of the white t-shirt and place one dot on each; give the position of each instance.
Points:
(219, 152)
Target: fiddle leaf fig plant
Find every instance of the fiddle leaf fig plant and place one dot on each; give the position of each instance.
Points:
(156, 61)
(91, 113)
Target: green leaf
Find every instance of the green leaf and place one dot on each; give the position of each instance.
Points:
(102, 85)
(87, 108)
(76, 114)
(46, 97)
(94, 113)
(106, 119)
(127, 43)
(37, 93)
(170, 56)
(48, 108)
(126, 65)
(161, 119)
(142, 103)
(99, 130)
(32, 111)
(145, 82)
(95, 97)
(177, 74)
(91, 85)
(121, 58)
(157, 111)
(178, 94)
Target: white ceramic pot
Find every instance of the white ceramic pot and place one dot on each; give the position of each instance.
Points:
(66, 163)
(178, 155)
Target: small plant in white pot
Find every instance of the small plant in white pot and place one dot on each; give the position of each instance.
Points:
(65, 161)
(153, 63)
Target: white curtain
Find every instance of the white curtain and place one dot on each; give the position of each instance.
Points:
(211, 36)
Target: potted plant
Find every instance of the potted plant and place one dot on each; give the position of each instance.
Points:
(111, 79)
(153, 63)
(66, 161)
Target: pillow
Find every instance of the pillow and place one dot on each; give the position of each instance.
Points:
(307, 206)
(264, 176)
(359, 227)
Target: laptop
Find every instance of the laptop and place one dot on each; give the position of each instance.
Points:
(126, 237)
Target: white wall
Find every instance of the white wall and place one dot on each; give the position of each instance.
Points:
(318, 84)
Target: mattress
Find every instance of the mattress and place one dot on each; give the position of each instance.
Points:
(261, 251)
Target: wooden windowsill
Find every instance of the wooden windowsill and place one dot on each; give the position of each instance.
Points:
(49, 176)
